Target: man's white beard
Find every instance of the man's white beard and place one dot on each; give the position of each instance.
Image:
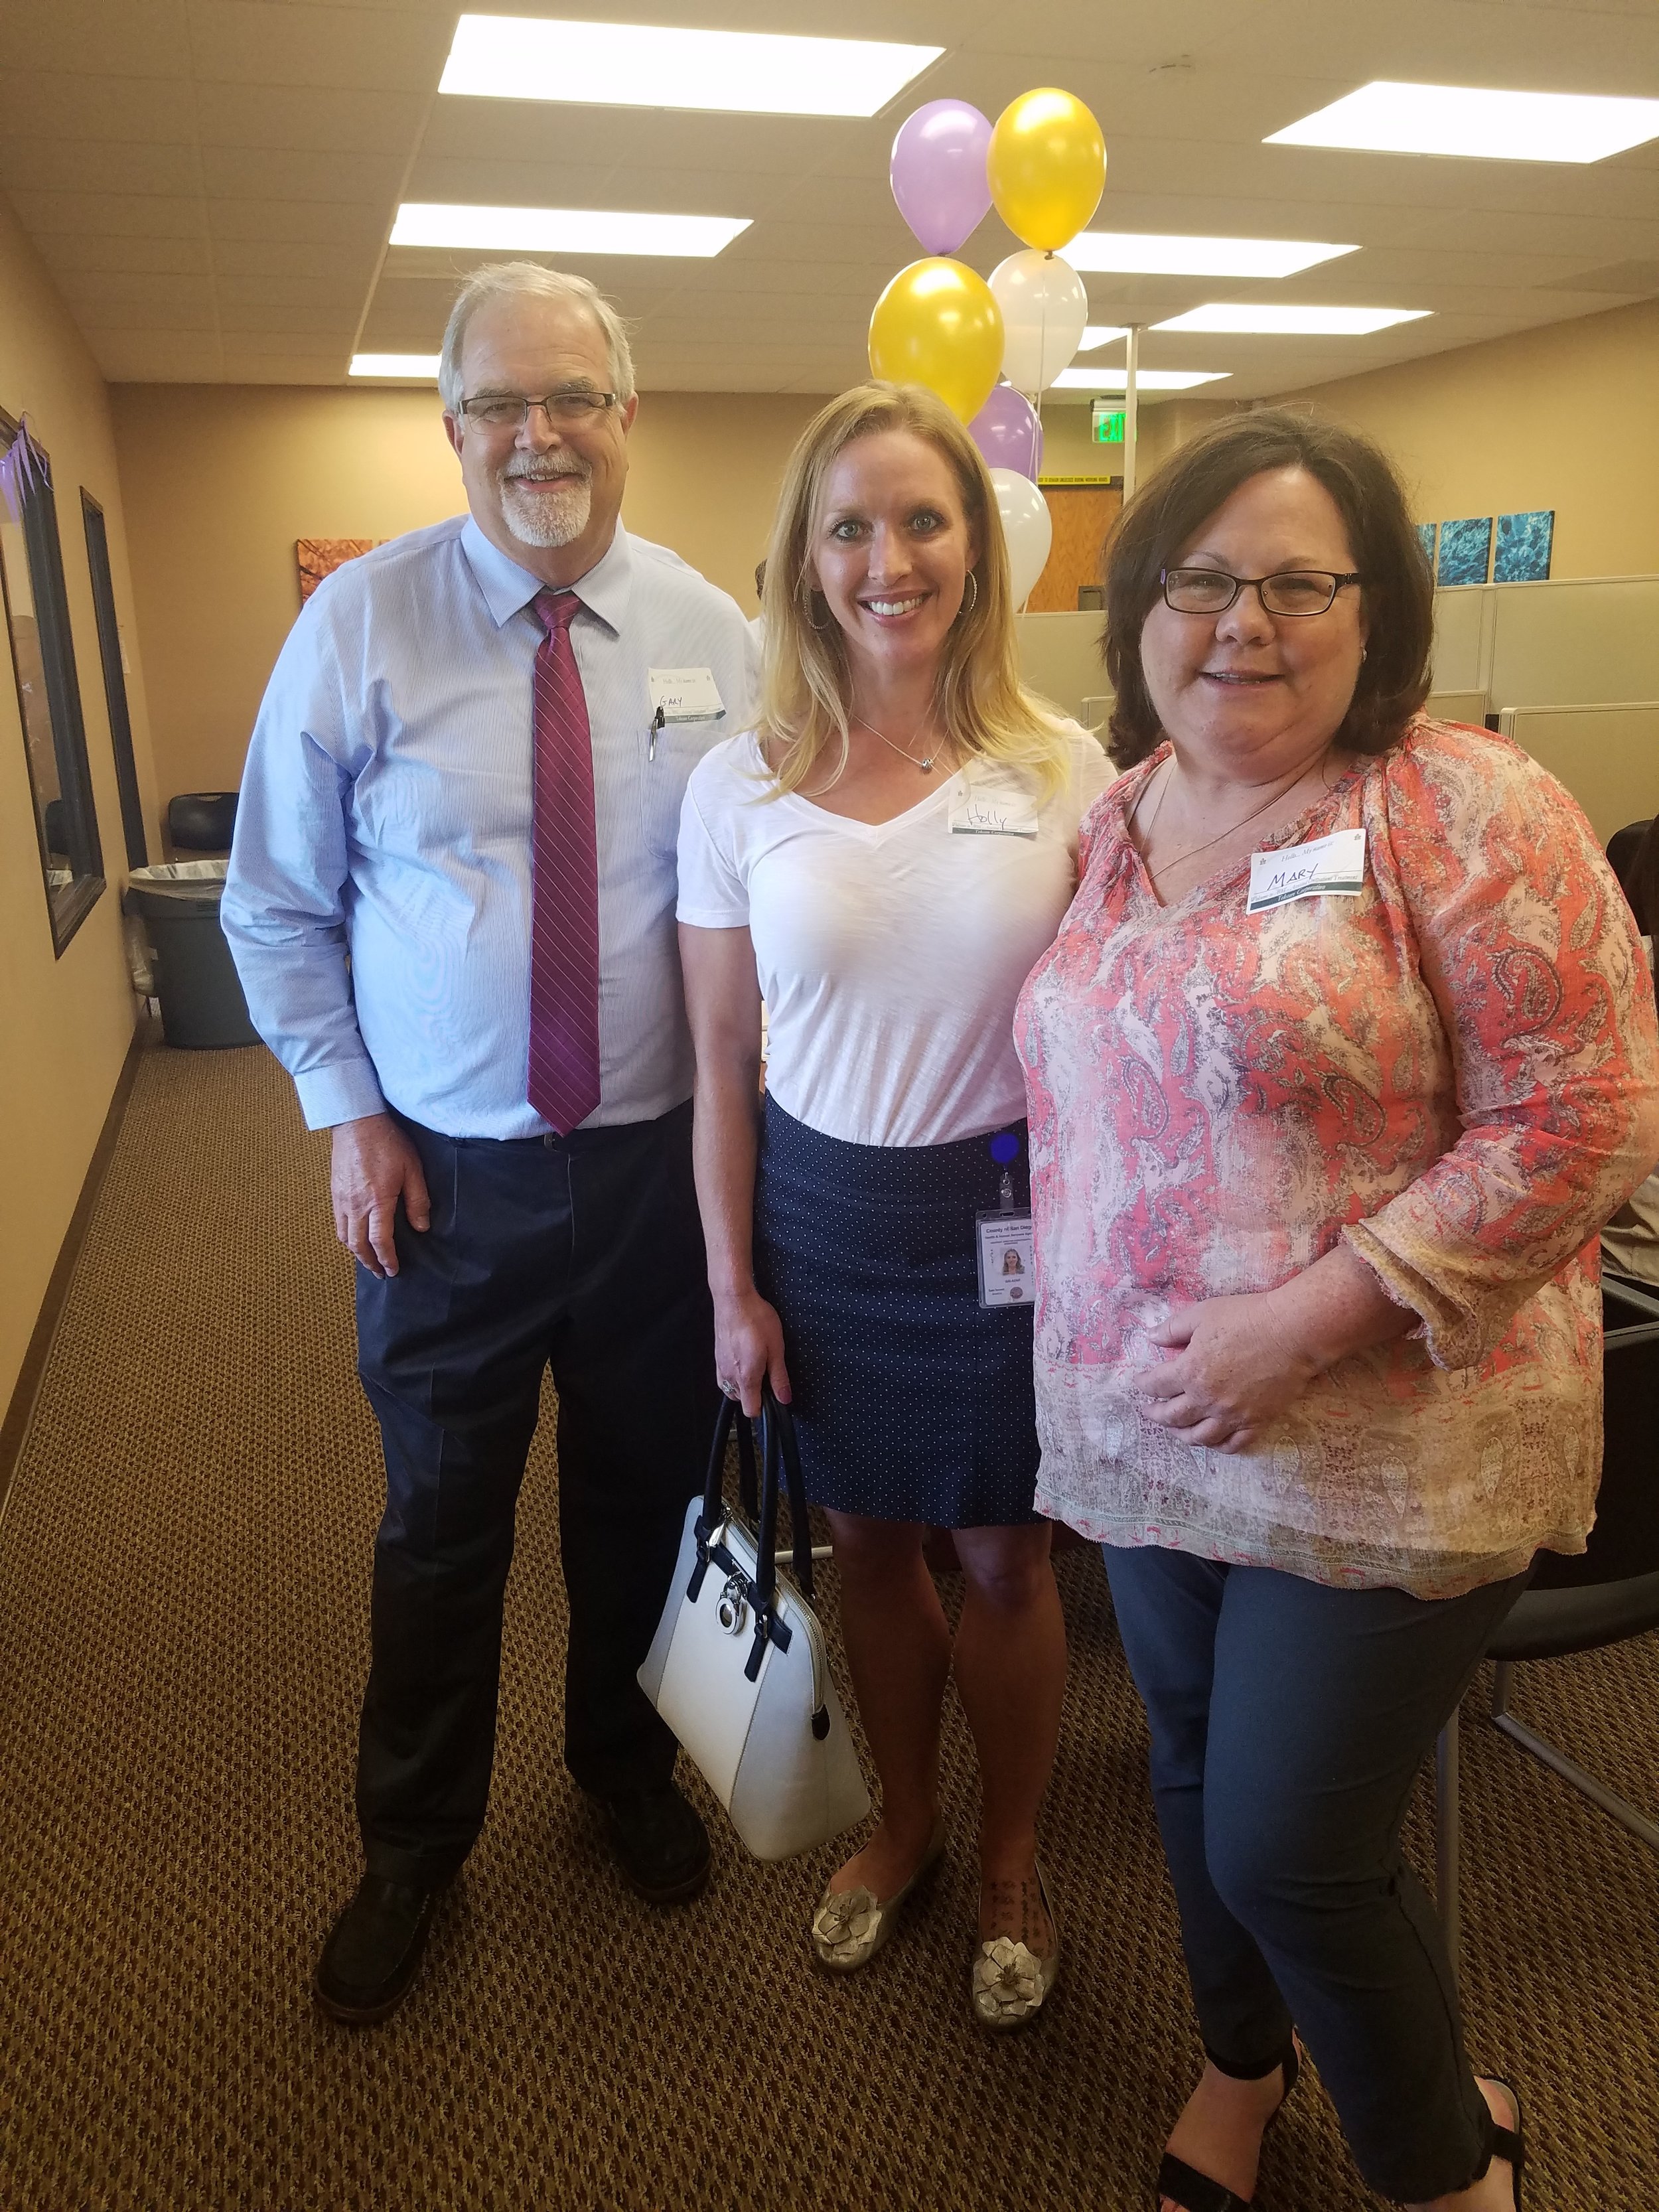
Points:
(540, 518)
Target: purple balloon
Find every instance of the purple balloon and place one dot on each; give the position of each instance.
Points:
(1007, 432)
(939, 172)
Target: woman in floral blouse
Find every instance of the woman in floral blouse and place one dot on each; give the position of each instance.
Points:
(1345, 1051)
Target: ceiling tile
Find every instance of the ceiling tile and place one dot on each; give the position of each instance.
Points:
(248, 172)
(320, 222)
(251, 318)
(139, 38)
(255, 257)
(311, 119)
(156, 356)
(151, 111)
(68, 252)
(141, 215)
(79, 165)
(244, 42)
(92, 295)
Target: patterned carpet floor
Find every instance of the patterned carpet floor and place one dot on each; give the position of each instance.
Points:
(184, 1579)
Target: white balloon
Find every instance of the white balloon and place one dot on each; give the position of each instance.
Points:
(1044, 309)
(1027, 527)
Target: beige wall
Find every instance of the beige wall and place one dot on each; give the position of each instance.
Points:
(65, 1023)
(1564, 417)
(221, 479)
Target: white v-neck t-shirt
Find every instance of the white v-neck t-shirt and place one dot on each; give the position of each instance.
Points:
(889, 954)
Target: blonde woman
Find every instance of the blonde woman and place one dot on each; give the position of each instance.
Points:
(882, 862)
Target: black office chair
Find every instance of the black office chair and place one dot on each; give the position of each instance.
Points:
(1599, 1596)
(1623, 847)
(202, 821)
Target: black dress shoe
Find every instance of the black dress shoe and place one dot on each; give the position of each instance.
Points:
(661, 1846)
(373, 1951)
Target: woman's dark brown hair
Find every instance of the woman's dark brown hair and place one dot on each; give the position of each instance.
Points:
(1397, 590)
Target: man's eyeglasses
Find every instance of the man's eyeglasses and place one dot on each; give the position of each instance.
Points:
(1212, 591)
(505, 411)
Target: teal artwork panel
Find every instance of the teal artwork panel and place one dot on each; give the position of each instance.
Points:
(1524, 543)
(1465, 551)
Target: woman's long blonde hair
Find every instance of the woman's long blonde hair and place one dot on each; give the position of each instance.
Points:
(806, 691)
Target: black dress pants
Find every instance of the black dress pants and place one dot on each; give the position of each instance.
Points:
(1288, 1721)
(584, 1253)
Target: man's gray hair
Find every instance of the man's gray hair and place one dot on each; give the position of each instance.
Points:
(506, 280)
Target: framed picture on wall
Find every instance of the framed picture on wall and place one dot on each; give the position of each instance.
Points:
(1524, 542)
(1465, 551)
(36, 608)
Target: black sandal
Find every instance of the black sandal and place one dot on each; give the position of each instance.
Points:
(1193, 2191)
(1510, 2143)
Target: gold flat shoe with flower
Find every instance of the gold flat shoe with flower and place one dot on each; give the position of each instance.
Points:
(851, 1925)
(1009, 1980)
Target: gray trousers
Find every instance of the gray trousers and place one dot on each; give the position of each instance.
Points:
(1288, 1721)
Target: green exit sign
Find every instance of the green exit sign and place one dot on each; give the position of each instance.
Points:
(1107, 424)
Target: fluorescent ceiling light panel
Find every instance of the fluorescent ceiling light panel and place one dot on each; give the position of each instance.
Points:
(1293, 322)
(564, 230)
(1386, 117)
(1149, 379)
(1100, 334)
(423, 364)
(644, 65)
(1146, 253)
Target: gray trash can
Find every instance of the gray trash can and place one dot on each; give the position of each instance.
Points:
(195, 979)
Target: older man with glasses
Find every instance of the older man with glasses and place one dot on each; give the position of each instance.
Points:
(451, 902)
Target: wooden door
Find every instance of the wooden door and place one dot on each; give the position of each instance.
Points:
(1082, 513)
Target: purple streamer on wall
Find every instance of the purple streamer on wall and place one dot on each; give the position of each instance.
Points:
(23, 469)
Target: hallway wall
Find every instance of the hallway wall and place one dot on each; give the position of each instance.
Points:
(1562, 417)
(65, 1023)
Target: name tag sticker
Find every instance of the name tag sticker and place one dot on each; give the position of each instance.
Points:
(1326, 867)
(684, 695)
(1005, 1264)
(991, 807)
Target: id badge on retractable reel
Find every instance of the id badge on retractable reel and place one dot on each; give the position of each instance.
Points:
(1003, 1238)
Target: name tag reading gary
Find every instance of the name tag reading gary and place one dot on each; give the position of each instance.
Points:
(684, 695)
(1325, 867)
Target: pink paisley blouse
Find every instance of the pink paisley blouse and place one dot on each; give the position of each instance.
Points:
(1456, 1072)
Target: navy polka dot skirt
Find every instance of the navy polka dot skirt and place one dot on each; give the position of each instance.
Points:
(913, 1402)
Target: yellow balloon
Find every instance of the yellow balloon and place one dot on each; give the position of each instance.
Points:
(939, 324)
(1047, 168)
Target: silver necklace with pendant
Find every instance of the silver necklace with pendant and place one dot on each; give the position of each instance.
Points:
(926, 766)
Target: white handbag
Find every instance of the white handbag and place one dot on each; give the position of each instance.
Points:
(738, 1667)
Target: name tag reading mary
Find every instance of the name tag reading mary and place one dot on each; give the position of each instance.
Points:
(1325, 867)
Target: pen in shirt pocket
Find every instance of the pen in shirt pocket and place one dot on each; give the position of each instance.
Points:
(657, 720)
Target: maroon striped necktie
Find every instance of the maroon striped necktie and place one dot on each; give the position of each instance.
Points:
(564, 895)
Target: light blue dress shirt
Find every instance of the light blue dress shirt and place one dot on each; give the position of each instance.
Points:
(385, 814)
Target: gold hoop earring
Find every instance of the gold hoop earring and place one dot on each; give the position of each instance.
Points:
(973, 578)
(819, 626)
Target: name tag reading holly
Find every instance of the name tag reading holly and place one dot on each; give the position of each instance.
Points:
(991, 807)
(1325, 867)
(683, 695)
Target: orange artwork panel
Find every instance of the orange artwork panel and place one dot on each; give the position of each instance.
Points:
(320, 556)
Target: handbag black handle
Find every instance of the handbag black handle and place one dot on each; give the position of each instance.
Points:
(781, 1454)
(780, 1469)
